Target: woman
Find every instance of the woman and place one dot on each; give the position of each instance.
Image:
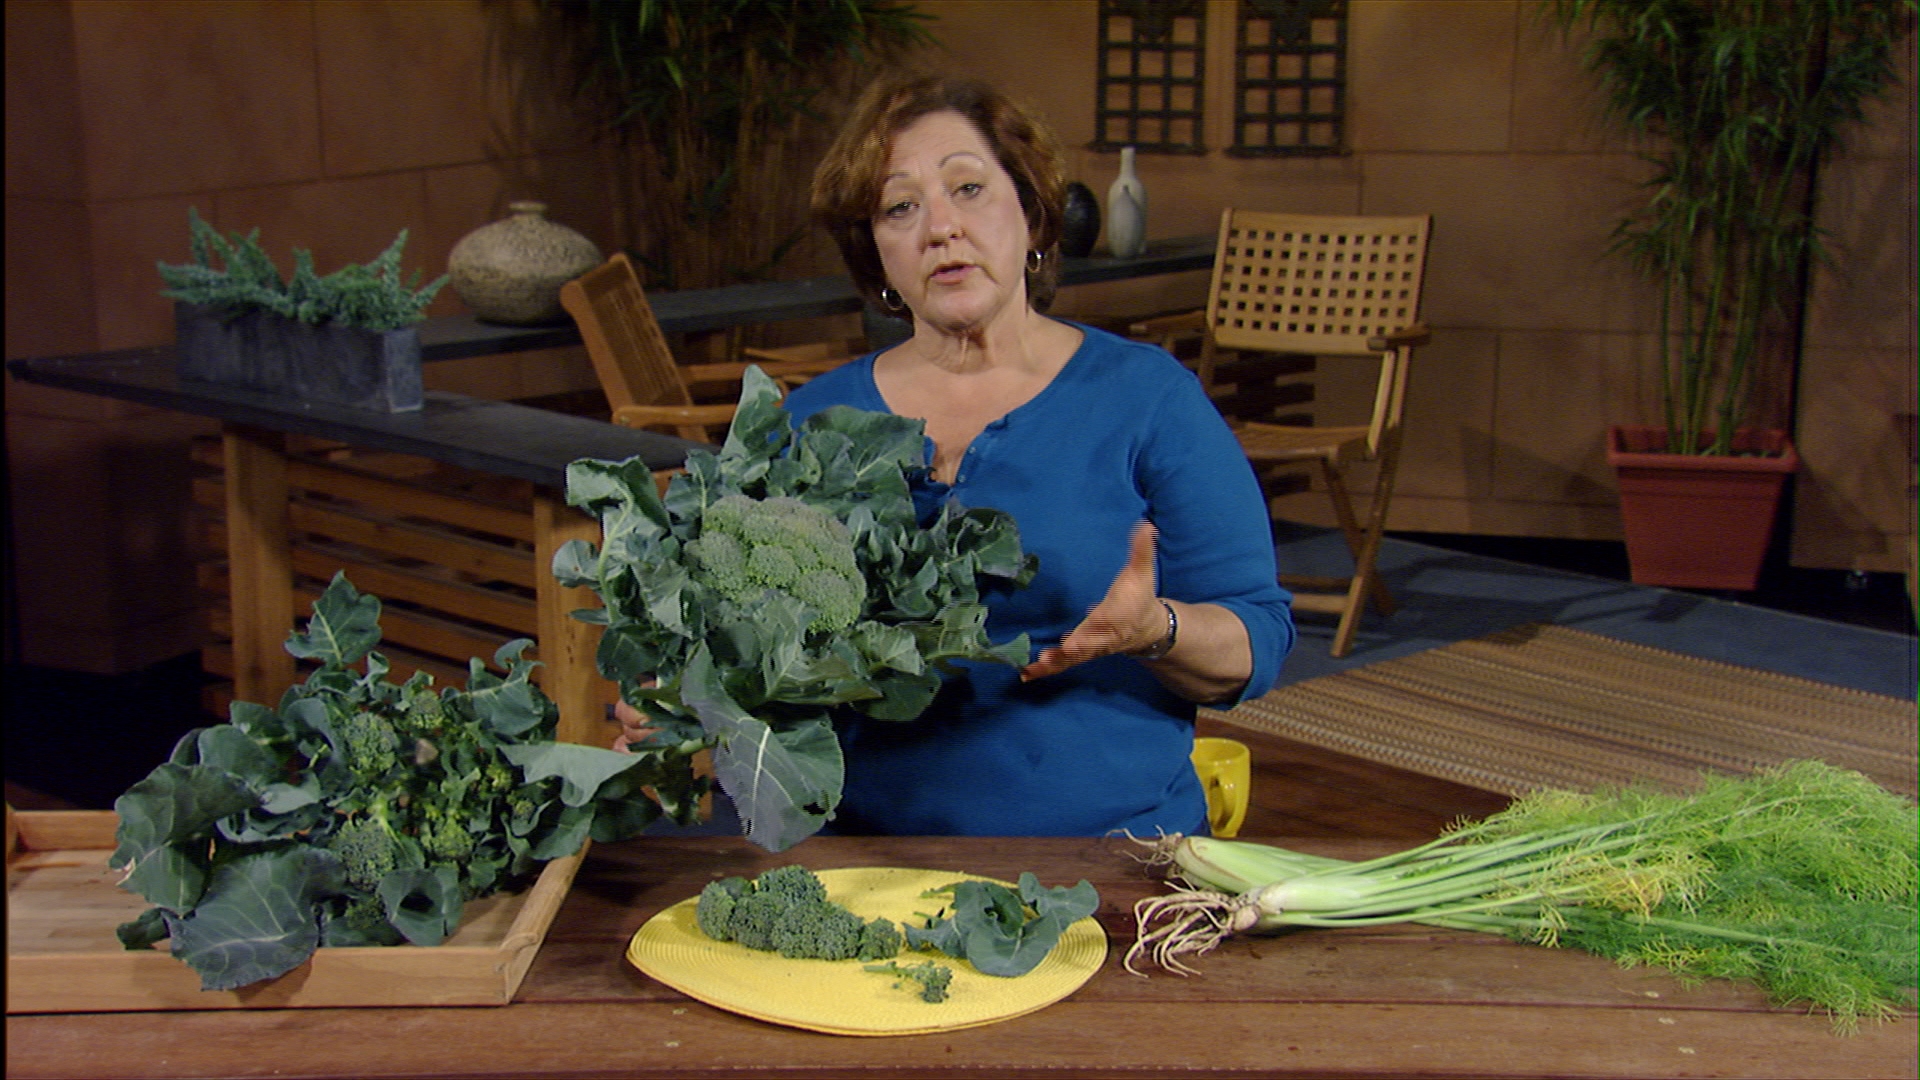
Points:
(1156, 587)
(946, 201)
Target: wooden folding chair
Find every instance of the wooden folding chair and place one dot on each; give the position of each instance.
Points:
(1319, 287)
(644, 385)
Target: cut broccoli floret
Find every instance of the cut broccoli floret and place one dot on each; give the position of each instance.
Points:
(879, 940)
(817, 930)
(793, 883)
(715, 908)
(933, 979)
(751, 922)
(747, 546)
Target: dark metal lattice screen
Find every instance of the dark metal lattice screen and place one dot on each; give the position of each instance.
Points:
(1290, 78)
(1152, 59)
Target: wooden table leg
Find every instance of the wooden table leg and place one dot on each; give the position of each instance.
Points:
(259, 563)
(567, 646)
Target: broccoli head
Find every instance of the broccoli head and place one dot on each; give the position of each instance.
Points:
(753, 916)
(370, 743)
(367, 848)
(817, 930)
(715, 908)
(747, 546)
(879, 940)
(793, 883)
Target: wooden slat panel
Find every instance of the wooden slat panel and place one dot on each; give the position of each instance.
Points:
(412, 499)
(487, 562)
(388, 582)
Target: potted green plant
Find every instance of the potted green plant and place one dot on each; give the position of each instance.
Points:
(1735, 103)
(720, 110)
(348, 338)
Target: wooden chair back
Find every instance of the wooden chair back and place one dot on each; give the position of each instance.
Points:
(629, 352)
(1319, 285)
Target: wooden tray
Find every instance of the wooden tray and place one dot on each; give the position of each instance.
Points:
(62, 955)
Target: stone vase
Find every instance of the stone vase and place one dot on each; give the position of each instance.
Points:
(1080, 221)
(511, 271)
(1126, 211)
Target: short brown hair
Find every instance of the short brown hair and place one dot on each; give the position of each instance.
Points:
(848, 181)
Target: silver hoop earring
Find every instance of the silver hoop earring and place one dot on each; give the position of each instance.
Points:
(892, 300)
(1035, 260)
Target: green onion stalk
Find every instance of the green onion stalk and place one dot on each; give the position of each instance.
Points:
(1799, 878)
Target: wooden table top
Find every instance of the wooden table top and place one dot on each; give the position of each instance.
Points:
(1387, 1002)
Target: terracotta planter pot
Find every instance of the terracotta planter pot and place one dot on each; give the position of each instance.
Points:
(377, 370)
(1697, 522)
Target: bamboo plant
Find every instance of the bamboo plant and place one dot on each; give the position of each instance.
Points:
(721, 107)
(1737, 103)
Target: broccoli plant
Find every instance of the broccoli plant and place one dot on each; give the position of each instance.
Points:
(787, 575)
(361, 811)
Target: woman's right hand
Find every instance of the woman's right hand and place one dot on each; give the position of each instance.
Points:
(633, 727)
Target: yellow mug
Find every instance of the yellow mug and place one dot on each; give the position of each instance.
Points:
(1226, 772)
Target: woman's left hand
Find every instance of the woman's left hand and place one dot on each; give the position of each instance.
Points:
(1129, 619)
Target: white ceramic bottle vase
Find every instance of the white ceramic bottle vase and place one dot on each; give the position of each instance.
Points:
(1126, 211)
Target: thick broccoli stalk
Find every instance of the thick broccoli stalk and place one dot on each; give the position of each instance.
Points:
(747, 546)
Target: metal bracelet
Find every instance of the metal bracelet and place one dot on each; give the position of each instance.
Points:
(1164, 645)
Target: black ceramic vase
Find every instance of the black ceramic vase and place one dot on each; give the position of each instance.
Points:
(1080, 224)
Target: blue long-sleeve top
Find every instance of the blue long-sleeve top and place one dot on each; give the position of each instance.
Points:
(1122, 433)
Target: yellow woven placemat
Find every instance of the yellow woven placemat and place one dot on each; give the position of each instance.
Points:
(840, 997)
(1549, 706)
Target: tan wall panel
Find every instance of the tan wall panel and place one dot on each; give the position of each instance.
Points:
(1431, 76)
(50, 293)
(402, 86)
(196, 94)
(1854, 498)
(1519, 241)
(43, 110)
(130, 236)
(1558, 391)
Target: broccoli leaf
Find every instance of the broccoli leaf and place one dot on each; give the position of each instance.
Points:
(581, 769)
(423, 904)
(345, 626)
(258, 919)
(990, 927)
(160, 818)
(785, 782)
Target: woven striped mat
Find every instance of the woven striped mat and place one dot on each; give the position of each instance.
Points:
(1549, 706)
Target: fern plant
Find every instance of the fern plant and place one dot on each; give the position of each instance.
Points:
(371, 296)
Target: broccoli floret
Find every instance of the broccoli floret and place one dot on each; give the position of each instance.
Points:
(715, 908)
(371, 744)
(817, 930)
(793, 883)
(367, 848)
(879, 940)
(753, 917)
(933, 978)
(747, 546)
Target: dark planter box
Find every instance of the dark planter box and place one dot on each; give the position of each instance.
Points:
(377, 370)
